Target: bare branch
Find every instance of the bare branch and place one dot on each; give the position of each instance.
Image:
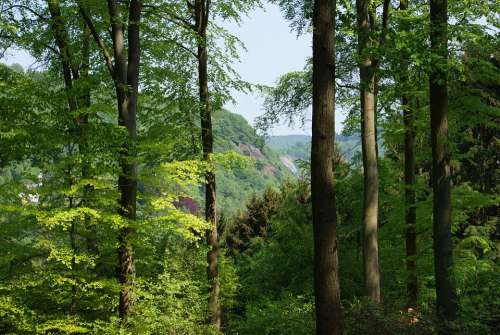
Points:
(347, 86)
(40, 16)
(168, 15)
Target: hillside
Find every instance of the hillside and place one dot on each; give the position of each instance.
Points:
(236, 186)
(275, 158)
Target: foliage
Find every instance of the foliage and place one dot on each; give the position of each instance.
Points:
(59, 218)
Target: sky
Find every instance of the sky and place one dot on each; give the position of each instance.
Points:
(272, 50)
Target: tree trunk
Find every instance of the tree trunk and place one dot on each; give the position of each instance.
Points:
(410, 203)
(126, 76)
(326, 281)
(202, 8)
(83, 120)
(441, 179)
(59, 31)
(409, 178)
(369, 148)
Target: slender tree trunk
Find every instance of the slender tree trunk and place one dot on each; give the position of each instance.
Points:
(326, 281)
(83, 120)
(409, 177)
(74, 288)
(202, 8)
(60, 34)
(369, 148)
(441, 179)
(410, 203)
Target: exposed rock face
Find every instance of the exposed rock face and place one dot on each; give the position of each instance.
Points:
(250, 150)
(289, 162)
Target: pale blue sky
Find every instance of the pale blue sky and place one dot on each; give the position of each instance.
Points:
(272, 50)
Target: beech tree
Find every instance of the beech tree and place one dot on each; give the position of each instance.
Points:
(201, 17)
(195, 35)
(326, 266)
(368, 65)
(74, 72)
(409, 174)
(446, 299)
(124, 70)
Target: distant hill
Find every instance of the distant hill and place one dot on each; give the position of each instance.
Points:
(299, 146)
(284, 141)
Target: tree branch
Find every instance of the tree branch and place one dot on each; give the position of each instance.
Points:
(97, 38)
(40, 16)
(170, 17)
(182, 46)
(347, 86)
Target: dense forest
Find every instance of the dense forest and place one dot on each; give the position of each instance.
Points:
(132, 201)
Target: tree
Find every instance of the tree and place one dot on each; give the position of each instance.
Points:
(70, 73)
(125, 74)
(326, 281)
(368, 65)
(201, 16)
(409, 176)
(446, 299)
(195, 34)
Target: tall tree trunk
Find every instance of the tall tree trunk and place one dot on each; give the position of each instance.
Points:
(410, 203)
(409, 178)
(83, 120)
(125, 74)
(126, 77)
(202, 9)
(441, 179)
(326, 281)
(367, 71)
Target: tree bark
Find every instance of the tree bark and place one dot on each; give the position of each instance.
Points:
(367, 71)
(409, 179)
(446, 299)
(202, 9)
(326, 281)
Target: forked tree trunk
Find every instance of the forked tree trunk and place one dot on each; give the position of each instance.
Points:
(367, 71)
(441, 178)
(409, 177)
(202, 10)
(126, 76)
(326, 279)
